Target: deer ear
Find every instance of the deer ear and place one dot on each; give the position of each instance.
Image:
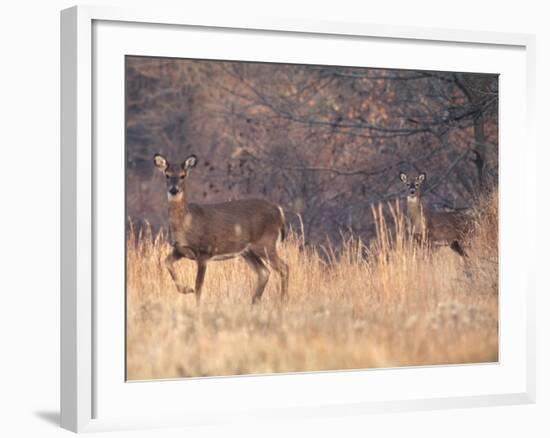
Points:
(403, 177)
(421, 177)
(190, 162)
(160, 162)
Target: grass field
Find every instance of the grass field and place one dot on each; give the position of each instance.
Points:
(386, 304)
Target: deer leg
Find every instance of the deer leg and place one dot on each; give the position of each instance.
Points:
(282, 269)
(201, 271)
(455, 246)
(261, 271)
(169, 262)
(422, 241)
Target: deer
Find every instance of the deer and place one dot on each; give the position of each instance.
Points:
(247, 228)
(438, 228)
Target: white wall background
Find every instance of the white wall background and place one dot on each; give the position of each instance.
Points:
(29, 215)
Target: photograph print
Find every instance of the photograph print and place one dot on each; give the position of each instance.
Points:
(285, 218)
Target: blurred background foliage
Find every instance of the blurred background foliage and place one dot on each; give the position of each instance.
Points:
(324, 142)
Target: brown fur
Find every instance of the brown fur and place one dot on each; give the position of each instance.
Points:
(202, 232)
(439, 228)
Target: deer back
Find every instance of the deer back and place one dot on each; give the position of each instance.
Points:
(446, 227)
(229, 227)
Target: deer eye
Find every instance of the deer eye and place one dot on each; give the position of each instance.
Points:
(182, 176)
(167, 176)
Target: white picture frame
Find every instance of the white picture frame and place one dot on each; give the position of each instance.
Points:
(85, 379)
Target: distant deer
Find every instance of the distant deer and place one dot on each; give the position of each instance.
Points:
(203, 232)
(440, 228)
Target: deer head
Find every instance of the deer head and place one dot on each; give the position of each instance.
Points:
(175, 174)
(413, 186)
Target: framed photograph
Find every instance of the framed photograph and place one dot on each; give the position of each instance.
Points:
(283, 218)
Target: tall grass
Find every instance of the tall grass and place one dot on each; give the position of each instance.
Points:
(390, 303)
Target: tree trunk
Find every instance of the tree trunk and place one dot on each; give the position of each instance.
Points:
(480, 149)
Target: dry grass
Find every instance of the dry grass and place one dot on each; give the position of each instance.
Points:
(391, 304)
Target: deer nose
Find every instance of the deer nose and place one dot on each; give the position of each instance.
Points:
(173, 190)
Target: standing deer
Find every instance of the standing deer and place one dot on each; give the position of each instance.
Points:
(440, 228)
(202, 232)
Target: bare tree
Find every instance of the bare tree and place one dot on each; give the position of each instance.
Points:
(325, 142)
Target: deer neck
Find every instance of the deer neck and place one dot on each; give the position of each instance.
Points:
(177, 213)
(415, 212)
